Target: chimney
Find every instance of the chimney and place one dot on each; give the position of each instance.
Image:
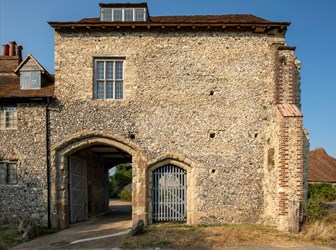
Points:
(10, 58)
(18, 52)
(12, 46)
(5, 50)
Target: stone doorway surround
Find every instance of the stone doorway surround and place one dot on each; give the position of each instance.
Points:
(181, 162)
(59, 200)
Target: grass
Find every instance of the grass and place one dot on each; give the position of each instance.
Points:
(181, 236)
(9, 236)
(323, 230)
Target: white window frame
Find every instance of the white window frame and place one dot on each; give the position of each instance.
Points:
(30, 71)
(114, 80)
(6, 111)
(6, 164)
(123, 14)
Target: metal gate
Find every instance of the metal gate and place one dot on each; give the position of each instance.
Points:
(169, 194)
(78, 189)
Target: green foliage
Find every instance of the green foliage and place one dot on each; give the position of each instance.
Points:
(318, 194)
(321, 191)
(317, 209)
(283, 60)
(8, 237)
(113, 187)
(126, 195)
(121, 178)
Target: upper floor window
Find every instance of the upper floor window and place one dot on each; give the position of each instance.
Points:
(30, 79)
(109, 78)
(7, 117)
(123, 14)
(8, 173)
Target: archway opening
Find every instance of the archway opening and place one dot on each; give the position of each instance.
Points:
(91, 189)
(169, 194)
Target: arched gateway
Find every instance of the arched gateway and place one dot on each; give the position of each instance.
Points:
(65, 167)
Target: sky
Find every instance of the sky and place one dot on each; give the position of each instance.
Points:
(312, 31)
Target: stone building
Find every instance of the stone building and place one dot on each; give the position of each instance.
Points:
(206, 108)
(26, 90)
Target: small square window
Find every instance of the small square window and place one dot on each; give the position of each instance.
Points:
(8, 173)
(30, 79)
(8, 117)
(109, 78)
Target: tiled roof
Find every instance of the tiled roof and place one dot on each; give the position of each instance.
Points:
(10, 88)
(10, 80)
(321, 166)
(197, 20)
(234, 18)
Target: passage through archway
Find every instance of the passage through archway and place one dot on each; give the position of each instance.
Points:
(90, 182)
(102, 150)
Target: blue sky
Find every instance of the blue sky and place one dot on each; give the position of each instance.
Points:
(313, 31)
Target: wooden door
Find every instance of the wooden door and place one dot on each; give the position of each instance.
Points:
(78, 189)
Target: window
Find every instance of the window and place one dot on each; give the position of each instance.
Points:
(140, 15)
(117, 15)
(8, 173)
(128, 15)
(109, 79)
(123, 15)
(106, 15)
(30, 79)
(7, 117)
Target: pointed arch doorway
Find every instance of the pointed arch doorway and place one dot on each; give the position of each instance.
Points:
(75, 154)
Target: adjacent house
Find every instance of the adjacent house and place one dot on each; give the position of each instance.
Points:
(205, 108)
(26, 89)
(321, 167)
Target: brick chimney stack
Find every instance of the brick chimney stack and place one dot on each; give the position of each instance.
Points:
(5, 50)
(18, 51)
(12, 50)
(11, 57)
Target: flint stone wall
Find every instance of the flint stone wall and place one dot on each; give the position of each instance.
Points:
(168, 107)
(25, 145)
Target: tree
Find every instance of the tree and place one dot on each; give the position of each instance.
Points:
(121, 178)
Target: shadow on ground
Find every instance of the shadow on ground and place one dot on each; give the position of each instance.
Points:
(117, 219)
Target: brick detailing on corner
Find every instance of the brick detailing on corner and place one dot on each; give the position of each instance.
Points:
(291, 151)
(285, 76)
(292, 139)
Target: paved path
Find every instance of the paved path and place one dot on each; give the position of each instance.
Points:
(117, 219)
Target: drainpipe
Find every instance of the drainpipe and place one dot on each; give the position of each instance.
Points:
(48, 156)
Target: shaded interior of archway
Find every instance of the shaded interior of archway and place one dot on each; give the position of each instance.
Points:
(89, 194)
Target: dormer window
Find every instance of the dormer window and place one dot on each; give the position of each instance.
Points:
(123, 15)
(32, 74)
(30, 79)
(124, 12)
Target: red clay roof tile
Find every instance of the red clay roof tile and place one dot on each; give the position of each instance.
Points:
(321, 166)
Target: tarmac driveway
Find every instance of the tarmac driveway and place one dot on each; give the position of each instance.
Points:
(117, 219)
